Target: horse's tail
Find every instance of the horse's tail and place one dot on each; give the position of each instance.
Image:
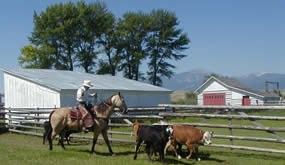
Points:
(48, 129)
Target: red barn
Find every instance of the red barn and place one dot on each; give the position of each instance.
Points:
(227, 91)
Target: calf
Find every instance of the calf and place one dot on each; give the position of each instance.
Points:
(155, 137)
(65, 135)
(190, 136)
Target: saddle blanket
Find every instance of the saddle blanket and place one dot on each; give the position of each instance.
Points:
(78, 114)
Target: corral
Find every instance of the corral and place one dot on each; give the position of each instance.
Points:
(260, 130)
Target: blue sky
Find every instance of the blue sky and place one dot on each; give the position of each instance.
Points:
(229, 37)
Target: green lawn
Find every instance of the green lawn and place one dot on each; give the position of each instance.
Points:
(26, 150)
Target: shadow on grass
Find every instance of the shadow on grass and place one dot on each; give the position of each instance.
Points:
(122, 153)
(203, 156)
(175, 161)
(3, 130)
(256, 155)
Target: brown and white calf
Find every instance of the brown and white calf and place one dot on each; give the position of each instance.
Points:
(190, 136)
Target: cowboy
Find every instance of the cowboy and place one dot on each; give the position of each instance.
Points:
(83, 99)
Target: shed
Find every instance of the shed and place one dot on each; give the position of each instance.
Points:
(45, 88)
(228, 91)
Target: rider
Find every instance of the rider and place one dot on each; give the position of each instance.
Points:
(82, 98)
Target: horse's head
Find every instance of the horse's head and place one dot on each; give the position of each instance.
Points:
(119, 102)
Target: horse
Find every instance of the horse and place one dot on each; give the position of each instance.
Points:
(60, 121)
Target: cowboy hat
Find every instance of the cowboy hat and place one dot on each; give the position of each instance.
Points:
(87, 83)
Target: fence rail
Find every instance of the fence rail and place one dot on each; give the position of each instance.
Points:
(270, 129)
(249, 138)
(226, 107)
(240, 117)
(30, 121)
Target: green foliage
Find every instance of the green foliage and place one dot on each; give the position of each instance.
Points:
(165, 42)
(66, 35)
(113, 46)
(87, 35)
(32, 57)
(94, 22)
(189, 98)
(133, 28)
(56, 29)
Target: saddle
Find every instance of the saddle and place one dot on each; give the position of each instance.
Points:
(78, 113)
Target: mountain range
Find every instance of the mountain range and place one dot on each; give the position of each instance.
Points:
(191, 80)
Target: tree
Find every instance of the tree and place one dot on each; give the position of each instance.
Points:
(95, 21)
(56, 30)
(133, 29)
(30, 58)
(83, 35)
(67, 35)
(164, 43)
(113, 46)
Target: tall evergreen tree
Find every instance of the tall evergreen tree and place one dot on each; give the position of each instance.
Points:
(165, 43)
(133, 29)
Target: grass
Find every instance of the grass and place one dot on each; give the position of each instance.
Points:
(26, 150)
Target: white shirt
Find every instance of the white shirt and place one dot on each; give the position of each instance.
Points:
(82, 94)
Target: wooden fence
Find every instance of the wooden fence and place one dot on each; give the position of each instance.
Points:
(30, 121)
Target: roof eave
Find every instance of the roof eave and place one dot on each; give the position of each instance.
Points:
(29, 80)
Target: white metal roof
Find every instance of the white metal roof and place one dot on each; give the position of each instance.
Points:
(62, 79)
(235, 84)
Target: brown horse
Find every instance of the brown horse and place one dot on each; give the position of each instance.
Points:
(60, 121)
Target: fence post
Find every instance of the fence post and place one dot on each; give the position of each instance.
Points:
(230, 124)
(9, 118)
(169, 109)
(37, 119)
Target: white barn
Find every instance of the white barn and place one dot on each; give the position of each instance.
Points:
(44, 88)
(225, 91)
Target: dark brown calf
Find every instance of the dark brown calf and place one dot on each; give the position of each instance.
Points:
(154, 137)
(190, 136)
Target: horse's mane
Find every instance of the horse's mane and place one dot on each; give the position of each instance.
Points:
(102, 106)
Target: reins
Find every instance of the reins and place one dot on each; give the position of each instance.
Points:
(109, 105)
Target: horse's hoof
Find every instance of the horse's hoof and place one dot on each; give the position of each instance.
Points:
(113, 154)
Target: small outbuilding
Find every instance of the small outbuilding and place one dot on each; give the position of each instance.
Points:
(227, 91)
(45, 88)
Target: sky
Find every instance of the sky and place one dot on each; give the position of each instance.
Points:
(228, 37)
